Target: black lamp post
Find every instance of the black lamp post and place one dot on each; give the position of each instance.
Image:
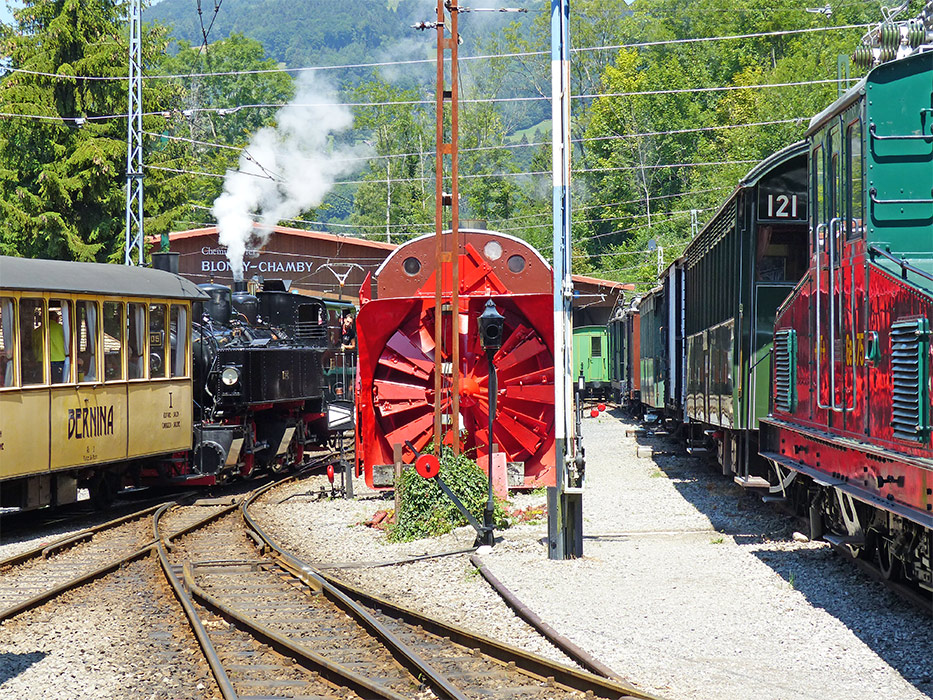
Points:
(491, 324)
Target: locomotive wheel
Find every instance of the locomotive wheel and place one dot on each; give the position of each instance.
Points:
(103, 490)
(888, 564)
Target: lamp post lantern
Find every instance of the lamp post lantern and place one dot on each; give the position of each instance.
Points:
(491, 324)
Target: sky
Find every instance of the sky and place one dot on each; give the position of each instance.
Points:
(5, 14)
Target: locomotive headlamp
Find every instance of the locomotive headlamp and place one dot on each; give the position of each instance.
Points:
(230, 376)
(491, 324)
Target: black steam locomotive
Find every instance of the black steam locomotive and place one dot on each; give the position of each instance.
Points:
(267, 379)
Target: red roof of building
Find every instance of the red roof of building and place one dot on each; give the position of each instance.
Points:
(283, 230)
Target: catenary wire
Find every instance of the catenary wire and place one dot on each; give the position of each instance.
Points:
(519, 54)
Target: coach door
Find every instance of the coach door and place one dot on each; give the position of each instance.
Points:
(833, 312)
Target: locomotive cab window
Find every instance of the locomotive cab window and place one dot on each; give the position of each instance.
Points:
(819, 201)
(179, 339)
(31, 341)
(113, 341)
(854, 220)
(87, 331)
(60, 321)
(136, 341)
(7, 356)
(157, 341)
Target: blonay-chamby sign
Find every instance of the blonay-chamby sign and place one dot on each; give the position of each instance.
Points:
(254, 261)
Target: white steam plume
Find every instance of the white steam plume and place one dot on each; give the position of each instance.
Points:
(285, 170)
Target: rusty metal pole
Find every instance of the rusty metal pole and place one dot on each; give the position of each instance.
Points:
(439, 234)
(447, 251)
(454, 230)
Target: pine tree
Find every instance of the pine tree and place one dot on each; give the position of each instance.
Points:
(63, 162)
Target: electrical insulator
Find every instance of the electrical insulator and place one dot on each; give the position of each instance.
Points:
(889, 35)
(863, 56)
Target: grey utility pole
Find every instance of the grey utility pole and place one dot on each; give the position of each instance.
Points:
(135, 255)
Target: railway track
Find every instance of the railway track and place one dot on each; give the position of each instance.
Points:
(33, 577)
(272, 626)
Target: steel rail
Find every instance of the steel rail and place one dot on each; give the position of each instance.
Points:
(213, 660)
(328, 669)
(356, 599)
(545, 630)
(100, 571)
(45, 550)
(530, 663)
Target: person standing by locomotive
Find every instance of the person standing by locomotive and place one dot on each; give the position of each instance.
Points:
(348, 332)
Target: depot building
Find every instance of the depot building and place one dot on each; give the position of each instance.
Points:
(334, 267)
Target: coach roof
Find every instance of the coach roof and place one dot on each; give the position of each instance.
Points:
(28, 275)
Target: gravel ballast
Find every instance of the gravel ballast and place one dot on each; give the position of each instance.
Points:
(689, 587)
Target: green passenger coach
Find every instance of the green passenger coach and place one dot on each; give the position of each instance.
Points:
(738, 270)
(591, 359)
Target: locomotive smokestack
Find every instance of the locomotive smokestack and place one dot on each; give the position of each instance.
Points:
(239, 285)
(165, 261)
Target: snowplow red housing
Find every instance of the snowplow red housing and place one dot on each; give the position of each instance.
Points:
(396, 365)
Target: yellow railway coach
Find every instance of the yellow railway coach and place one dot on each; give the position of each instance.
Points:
(95, 373)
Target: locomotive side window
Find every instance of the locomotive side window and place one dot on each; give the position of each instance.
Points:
(7, 364)
(113, 341)
(87, 329)
(179, 339)
(854, 220)
(819, 201)
(59, 325)
(157, 340)
(136, 328)
(31, 341)
(596, 346)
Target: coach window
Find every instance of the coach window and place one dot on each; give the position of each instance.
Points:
(7, 364)
(59, 325)
(157, 338)
(113, 341)
(179, 341)
(854, 222)
(136, 341)
(87, 330)
(31, 341)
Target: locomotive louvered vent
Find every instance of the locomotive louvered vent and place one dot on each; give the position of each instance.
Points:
(785, 369)
(910, 341)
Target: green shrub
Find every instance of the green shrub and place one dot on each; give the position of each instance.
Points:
(426, 511)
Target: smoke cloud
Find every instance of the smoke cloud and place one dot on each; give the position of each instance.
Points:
(285, 170)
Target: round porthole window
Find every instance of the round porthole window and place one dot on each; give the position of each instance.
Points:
(412, 266)
(492, 250)
(516, 263)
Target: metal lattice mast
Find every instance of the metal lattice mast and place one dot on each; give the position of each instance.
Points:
(135, 254)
